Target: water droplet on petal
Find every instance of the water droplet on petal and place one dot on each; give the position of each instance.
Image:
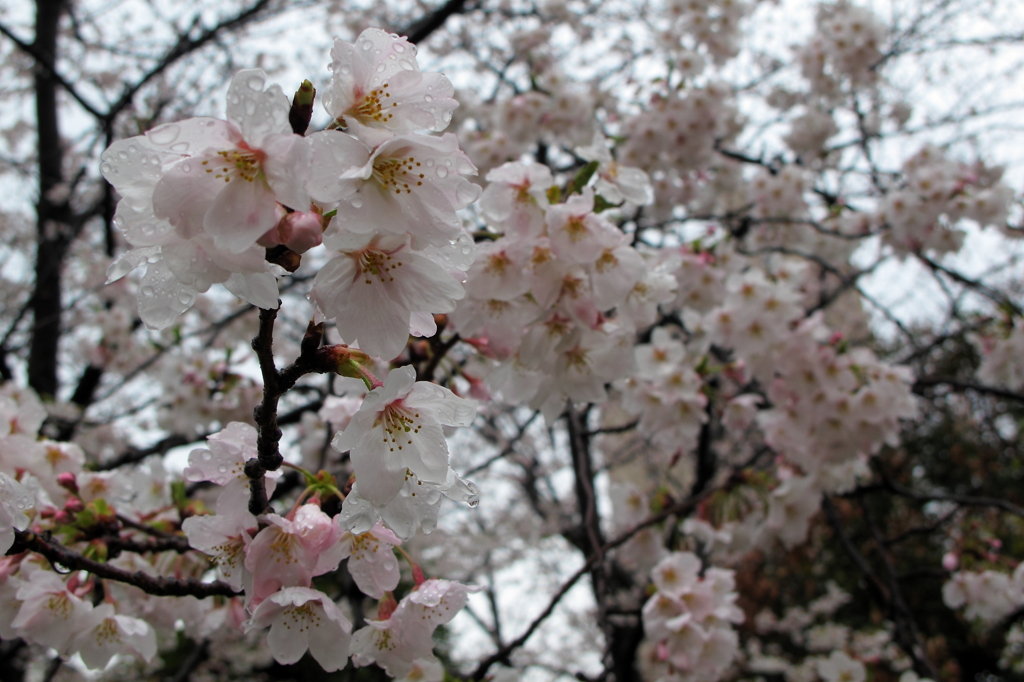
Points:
(357, 203)
(148, 291)
(428, 98)
(345, 70)
(442, 172)
(165, 134)
(407, 65)
(398, 47)
(256, 83)
(366, 45)
(474, 503)
(380, 68)
(186, 167)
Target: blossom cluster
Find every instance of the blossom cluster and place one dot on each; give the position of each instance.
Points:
(691, 618)
(200, 198)
(541, 291)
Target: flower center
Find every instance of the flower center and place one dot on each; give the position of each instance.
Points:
(373, 105)
(399, 425)
(379, 264)
(398, 175)
(243, 163)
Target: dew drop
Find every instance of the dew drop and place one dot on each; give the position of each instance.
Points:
(107, 168)
(222, 469)
(256, 83)
(184, 298)
(148, 291)
(365, 45)
(179, 147)
(122, 155)
(357, 203)
(186, 167)
(380, 68)
(428, 98)
(407, 65)
(165, 134)
(345, 70)
(442, 172)
(207, 455)
(398, 47)
(474, 503)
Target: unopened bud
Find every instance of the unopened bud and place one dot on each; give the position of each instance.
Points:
(386, 606)
(67, 481)
(950, 561)
(73, 505)
(417, 575)
(301, 231)
(302, 108)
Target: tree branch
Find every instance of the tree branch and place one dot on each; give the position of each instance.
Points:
(157, 586)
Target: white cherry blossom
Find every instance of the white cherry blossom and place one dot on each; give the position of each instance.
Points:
(302, 619)
(398, 427)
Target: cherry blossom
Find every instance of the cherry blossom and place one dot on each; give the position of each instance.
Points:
(398, 427)
(377, 83)
(376, 283)
(106, 634)
(302, 619)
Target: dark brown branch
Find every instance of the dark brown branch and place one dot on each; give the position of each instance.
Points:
(966, 500)
(312, 360)
(150, 584)
(46, 64)
(422, 29)
(907, 634)
(183, 47)
(135, 455)
(927, 382)
(503, 653)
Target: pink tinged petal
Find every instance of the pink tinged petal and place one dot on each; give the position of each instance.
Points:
(162, 298)
(287, 169)
(259, 289)
(141, 227)
(192, 266)
(379, 472)
(195, 136)
(373, 566)
(186, 192)
(288, 639)
(257, 112)
(331, 643)
(448, 408)
(338, 163)
(423, 285)
(382, 329)
(242, 212)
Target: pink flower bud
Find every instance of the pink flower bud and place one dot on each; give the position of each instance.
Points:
(62, 517)
(73, 505)
(950, 561)
(417, 575)
(302, 231)
(386, 606)
(67, 481)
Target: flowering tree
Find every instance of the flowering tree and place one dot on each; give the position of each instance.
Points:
(574, 345)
